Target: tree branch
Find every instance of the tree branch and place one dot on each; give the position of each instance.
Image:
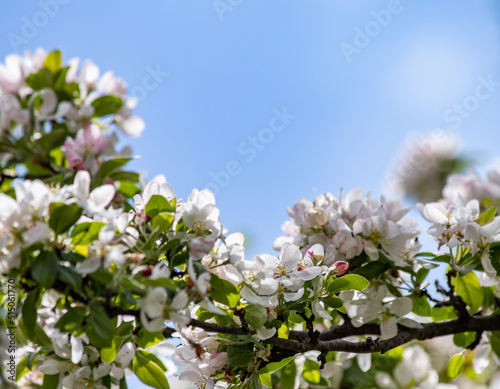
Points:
(330, 340)
(428, 331)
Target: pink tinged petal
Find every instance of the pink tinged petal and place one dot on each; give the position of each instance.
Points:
(218, 361)
(308, 273)
(36, 233)
(319, 310)
(401, 306)
(364, 362)
(180, 301)
(434, 212)
(76, 349)
(89, 265)
(118, 372)
(190, 375)
(49, 99)
(293, 296)
(487, 266)
(132, 126)
(167, 191)
(371, 249)
(472, 232)
(409, 323)
(101, 196)
(267, 286)
(151, 189)
(250, 296)
(82, 184)
(265, 333)
(492, 228)
(388, 329)
(151, 325)
(235, 238)
(101, 371)
(481, 358)
(290, 256)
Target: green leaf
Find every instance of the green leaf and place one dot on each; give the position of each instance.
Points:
(224, 292)
(348, 282)
(85, 233)
(495, 342)
(273, 366)
(37, 335)
(256, 315)
(373, 270)
(469, 289)
(283, 331)
(40, 80)
(44, 269)
(123, 383)
(456, 366)
(147, 339)
(163, 221)
(22, 368)
(30, 309)
(128, 189)
(149, 372)
(125, 176)
(265, 379)
(106, 105)
(311, 372)
(421, 306)
(63, 216)
(441, 258)
(53, 61)
(487, 216)
(153, 358)
(421, 274)
(464, 339)
(156, 205)
(443, 313)
(239, 356)
(288, 375)
(333, 302)
(112, 165)
(53, 139)
(99, 327)
(255, 382)
(50, 381)
(72, 319)
(69, 276)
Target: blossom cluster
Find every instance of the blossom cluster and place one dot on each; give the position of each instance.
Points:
(108, 266)
(348, 227)
(423, 164)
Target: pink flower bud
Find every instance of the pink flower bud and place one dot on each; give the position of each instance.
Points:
(218, 361)
(339, 267)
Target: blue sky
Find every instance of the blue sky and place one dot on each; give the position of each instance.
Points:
(358, 77)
